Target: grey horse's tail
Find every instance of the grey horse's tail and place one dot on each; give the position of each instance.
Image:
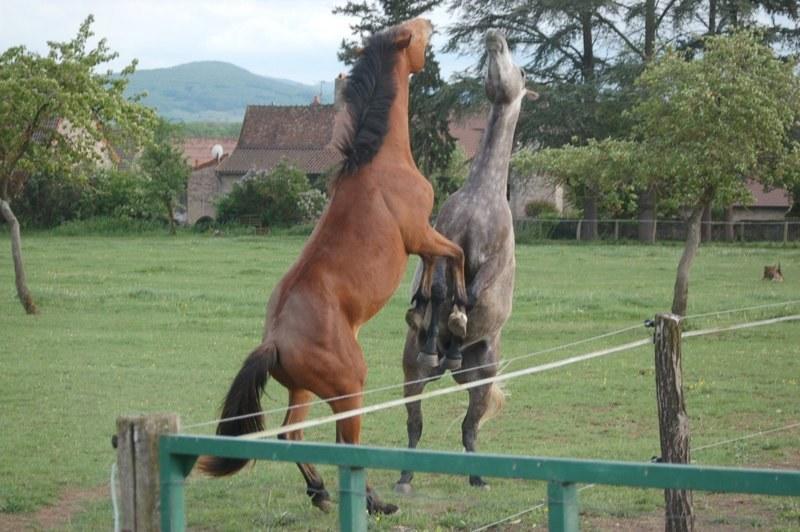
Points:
(497, 400)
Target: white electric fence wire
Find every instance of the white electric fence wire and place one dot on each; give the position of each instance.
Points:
(694, 450)
(504, 363)
(747, 437)
(743, 309)
(436, 393)
(497, 378)
(507, 362)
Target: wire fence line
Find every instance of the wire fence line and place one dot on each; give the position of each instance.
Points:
(503, 363)
(784, 231)
(498, 378)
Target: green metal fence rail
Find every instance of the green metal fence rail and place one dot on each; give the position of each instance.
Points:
(178, 453)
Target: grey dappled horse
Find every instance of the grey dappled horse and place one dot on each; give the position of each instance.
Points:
(478, 218)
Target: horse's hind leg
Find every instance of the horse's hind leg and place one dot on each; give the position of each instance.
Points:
(349, 431)
(483, 400)
(298, 410)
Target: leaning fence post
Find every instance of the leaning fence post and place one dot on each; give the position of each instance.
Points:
(673, 423)
(137, 464)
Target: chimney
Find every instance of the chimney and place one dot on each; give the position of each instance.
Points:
(315, 102)
(338, 88)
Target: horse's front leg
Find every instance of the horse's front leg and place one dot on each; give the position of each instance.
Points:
(435, 244)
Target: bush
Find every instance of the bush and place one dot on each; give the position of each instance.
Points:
(106, 225)
(274, 198)
(312, 203)
(540, 209)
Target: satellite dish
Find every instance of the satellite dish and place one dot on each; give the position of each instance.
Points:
(217, 151)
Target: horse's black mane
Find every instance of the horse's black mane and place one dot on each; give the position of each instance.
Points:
(368, 95)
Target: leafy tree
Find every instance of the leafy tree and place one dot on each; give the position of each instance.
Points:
(429, 98)
(708, 125)
(57, 116)
(273, 197)
(165, 170)
(605, 168)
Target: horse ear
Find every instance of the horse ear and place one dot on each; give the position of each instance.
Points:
(402, 38)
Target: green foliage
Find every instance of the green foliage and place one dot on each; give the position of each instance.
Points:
(608, 166)
(47, 201)
(540, 208)
(311, 203)
(109, 225)
(64, 85)
(118, 193)
(165, 170)
(215, 91)
(448, 180)
(707, 125)
(274, 197)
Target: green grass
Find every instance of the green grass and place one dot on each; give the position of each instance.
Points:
(151, 323)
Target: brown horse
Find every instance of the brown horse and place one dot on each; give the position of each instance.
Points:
(352, 263)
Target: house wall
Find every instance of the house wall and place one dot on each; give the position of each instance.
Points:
(525, 189)
(201, 194)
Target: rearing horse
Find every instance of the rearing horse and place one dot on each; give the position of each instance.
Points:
(352, 263)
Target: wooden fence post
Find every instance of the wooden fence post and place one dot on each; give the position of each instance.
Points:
(137, 465)
(673, 423)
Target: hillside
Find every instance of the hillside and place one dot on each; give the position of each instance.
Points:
(215, 91)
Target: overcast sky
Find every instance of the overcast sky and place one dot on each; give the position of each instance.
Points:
(291, 39)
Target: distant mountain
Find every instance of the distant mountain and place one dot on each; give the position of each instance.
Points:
(215, 91)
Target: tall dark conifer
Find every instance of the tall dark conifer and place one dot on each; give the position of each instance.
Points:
(429, 110)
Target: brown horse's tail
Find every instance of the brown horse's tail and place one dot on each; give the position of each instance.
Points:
(497, 400)
(243, 399)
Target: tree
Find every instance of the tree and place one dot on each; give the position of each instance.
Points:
(708, 125)
(608, 166)
(429, 98)
(57, 115)
(165, 170)
(570, 52)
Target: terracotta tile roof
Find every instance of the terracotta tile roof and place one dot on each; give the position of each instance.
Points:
(778, 198)
(311, 161)
(197, 150)
(296, 127)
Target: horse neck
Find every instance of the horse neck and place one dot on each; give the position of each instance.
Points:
(489, 172)
(397, 143)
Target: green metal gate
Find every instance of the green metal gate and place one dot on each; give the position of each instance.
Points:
(178, 453)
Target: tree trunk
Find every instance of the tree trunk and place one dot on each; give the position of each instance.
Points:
(171, 215)
(705, 225)
(680, 298)
(589, 225)
(16, 253)
(730, 235)
(647, 215)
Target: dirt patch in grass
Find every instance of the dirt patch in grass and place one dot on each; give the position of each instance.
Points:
(56, 515)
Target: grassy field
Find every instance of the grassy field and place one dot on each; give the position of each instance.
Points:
(151, 324)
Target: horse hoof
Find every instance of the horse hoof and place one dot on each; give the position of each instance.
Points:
(478, 482)
(427, 359)
(452, 363)
(457, 323)
(383, 508)
(403, 488)
(324, 504)
(414, 318)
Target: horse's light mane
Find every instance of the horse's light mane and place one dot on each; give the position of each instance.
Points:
(368, 95)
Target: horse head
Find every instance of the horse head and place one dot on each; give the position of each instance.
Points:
(505, 81)
(412, 37)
